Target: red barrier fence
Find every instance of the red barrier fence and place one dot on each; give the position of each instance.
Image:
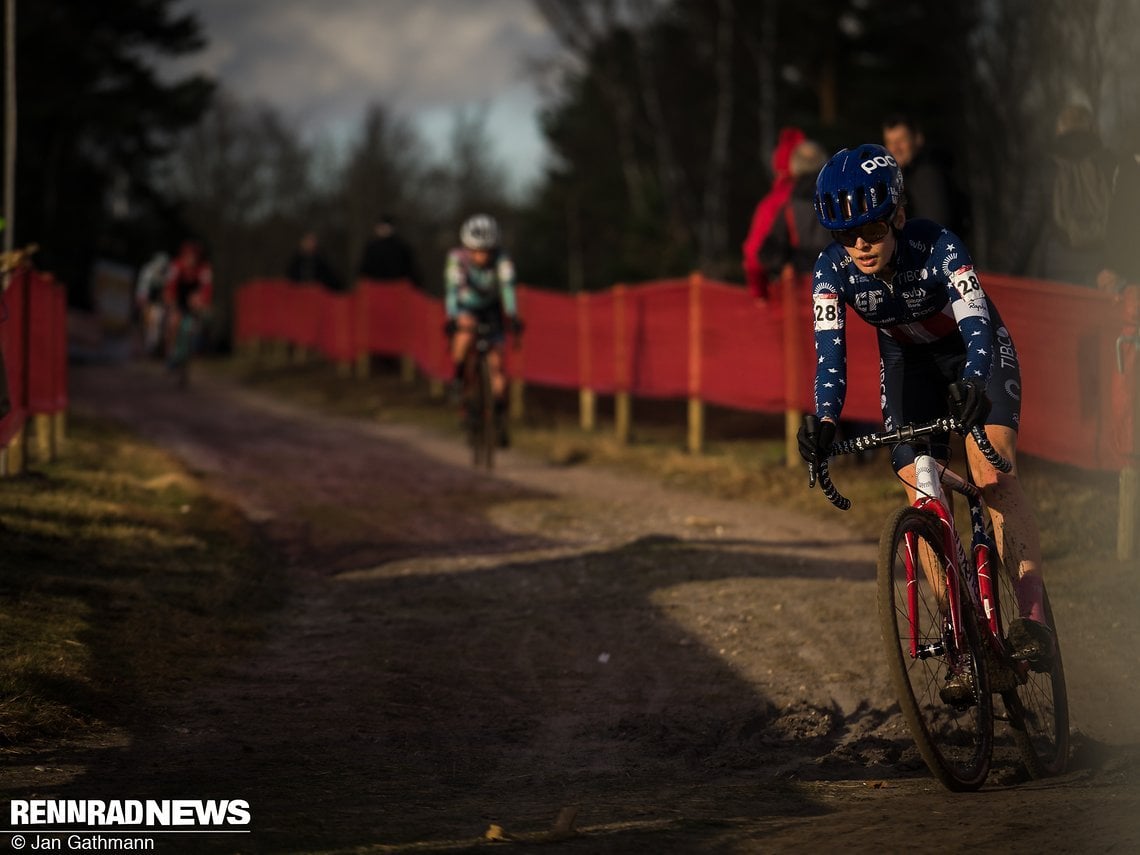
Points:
(707, 340)
(33, 334)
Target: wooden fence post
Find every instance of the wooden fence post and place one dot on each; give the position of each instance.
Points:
(587, 402)
(363, 366)
(44, 440)
(696, 405)
(792, 373)
(517, 388)
(1129, 513)
(623, 410)
(14, 454)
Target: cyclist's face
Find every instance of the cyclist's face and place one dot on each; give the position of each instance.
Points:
(873, 258)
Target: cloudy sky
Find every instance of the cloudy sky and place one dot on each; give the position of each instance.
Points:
(321, 62)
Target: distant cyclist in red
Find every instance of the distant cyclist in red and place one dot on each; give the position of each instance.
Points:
(189, 290)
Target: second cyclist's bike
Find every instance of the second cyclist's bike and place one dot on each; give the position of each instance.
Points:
(944, 616)
(480, 415)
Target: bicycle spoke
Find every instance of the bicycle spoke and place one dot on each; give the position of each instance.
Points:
(943, 691)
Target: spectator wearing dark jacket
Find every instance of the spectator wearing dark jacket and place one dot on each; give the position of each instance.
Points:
(1067, 207)
(930, 191)
(308, 264)
(387, 255)
(1122, 262)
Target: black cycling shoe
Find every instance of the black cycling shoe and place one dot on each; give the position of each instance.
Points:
(1032, 642)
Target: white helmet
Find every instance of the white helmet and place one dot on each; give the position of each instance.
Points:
(480, 232)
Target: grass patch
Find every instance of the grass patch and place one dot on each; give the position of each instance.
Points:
(118, 573)
(744, 457)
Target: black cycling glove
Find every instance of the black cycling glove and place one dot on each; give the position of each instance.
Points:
(516, 325)
(815, 438)
(450, 327)
(969, 403)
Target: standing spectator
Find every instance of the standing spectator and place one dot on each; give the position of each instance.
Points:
(796, 236)
(387, 255)
(308, 264)
(766, 212)
(1122, 263)
(930, 192)
(1066, 215)
(148, 298)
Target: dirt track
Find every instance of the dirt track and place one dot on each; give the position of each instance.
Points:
(459, 651)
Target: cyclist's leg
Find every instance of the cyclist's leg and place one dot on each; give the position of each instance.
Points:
(1015, 526)
(173, 323)
(498, 378)
(499, 392)
(910, 380)
(461, 344)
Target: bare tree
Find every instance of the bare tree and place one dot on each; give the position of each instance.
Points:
(713, 232)
(384, 174)
(586, 30)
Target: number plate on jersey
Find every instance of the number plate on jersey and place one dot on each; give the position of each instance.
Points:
(826, 310)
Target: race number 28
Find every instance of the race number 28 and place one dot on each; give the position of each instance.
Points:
(826, 310)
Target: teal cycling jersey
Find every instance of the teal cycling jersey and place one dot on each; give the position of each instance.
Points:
(473, 289)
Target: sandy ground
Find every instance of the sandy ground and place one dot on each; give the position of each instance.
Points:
(462, 652)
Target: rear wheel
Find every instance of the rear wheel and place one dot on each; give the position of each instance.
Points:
(943, 692)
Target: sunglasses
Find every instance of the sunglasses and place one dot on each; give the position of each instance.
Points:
(875, 232)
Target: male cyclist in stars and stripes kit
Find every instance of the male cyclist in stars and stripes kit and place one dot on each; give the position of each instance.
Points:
(943, 349)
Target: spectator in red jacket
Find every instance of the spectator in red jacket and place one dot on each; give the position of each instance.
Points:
(767, 210)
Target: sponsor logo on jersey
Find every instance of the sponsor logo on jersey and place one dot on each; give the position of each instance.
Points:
(1006, 352)
(868, 301)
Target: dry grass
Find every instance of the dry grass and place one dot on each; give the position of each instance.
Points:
(116, 570)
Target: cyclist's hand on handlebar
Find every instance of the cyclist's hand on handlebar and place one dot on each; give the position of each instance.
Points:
(969, 403)
(815, 438)
(514, 322)
(449, 327)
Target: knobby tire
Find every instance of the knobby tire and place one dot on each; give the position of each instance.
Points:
(955, 741)
(1038, 709)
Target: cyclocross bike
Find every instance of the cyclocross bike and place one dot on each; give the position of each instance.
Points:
(480, 419)
(943, 617)
(183, 347)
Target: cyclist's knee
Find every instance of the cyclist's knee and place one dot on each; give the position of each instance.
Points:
(1004, 441)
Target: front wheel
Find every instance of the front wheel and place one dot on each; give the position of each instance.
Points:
(943, 691)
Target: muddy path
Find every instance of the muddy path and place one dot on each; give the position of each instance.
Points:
(459, 651)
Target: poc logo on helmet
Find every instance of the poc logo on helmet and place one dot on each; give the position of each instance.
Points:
(874, 163)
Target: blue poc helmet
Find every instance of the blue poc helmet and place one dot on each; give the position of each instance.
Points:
(857, 186)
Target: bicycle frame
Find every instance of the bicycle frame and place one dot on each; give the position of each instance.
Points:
(980, 587)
